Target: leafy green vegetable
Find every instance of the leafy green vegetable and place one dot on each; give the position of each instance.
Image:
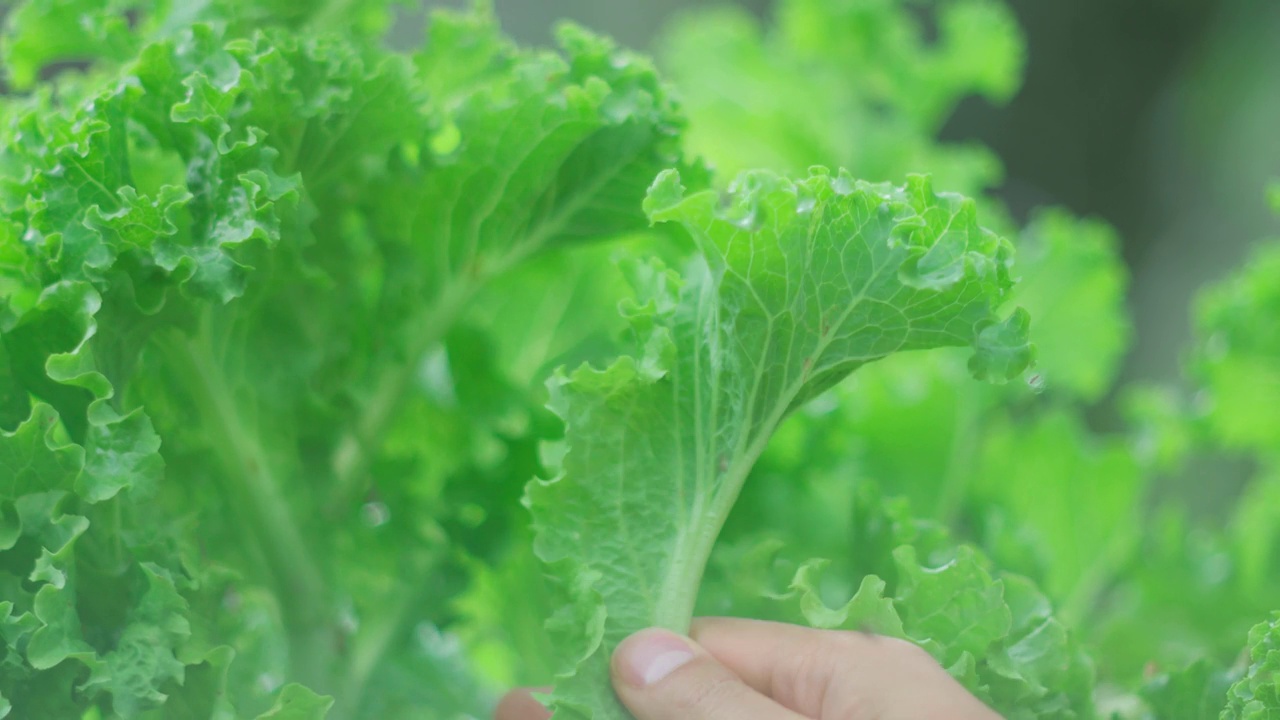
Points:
(1199, 691)
(1257, 694)
(995, 634)
(803, 283)
(175, 229)
(278, 304)
(855, 84)
(1240, 321)
(1070, 276)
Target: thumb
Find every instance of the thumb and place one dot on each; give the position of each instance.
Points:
(659, 675)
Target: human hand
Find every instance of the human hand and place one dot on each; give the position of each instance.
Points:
(751, 670)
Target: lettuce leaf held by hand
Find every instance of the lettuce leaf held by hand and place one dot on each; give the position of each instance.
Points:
(798, 284)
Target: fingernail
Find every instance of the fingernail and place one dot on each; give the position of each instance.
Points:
(650, 655)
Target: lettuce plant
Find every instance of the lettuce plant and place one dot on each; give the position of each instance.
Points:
(340, 380)
(803, 283)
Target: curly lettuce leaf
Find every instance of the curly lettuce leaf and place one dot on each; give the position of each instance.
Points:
(1071, 276)
(1256, 696)
(1059, 505)
(858, 84)
(997, 635)
(542, 150)
(42, 32)
(298, 703)
(801, 283)
(42, 37)
(854, 84)
(1238, 358)
(1196, 692)
(885, 570)
(181, 239)
(979, 460)
(86, 600)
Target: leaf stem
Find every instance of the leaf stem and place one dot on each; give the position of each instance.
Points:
(1088, 591)
(370, 646)
(964, 443)
(255, 489)
(356, 449)
(679, 593)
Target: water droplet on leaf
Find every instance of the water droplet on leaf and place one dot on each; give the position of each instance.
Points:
(749, 222)
(348, 623)
(375, 514)
(269, 682)
(843, 185)
(1035, 381)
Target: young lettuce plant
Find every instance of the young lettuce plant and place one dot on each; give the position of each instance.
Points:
(796, 284)
(225, 248)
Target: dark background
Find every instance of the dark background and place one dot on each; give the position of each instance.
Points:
(1160, 116)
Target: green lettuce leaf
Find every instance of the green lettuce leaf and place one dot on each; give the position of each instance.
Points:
(853, 84)
(75, 31)
(890, 572)
(1071, 276)
(1059, 505)
(802, 283)
(1238, 358)
(1256, 696)
(298, 703)
(184, 233)
(1196, 692)
(997, 635)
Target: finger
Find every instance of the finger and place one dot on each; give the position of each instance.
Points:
(827, 673)
(519, 704)
(659, 675)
